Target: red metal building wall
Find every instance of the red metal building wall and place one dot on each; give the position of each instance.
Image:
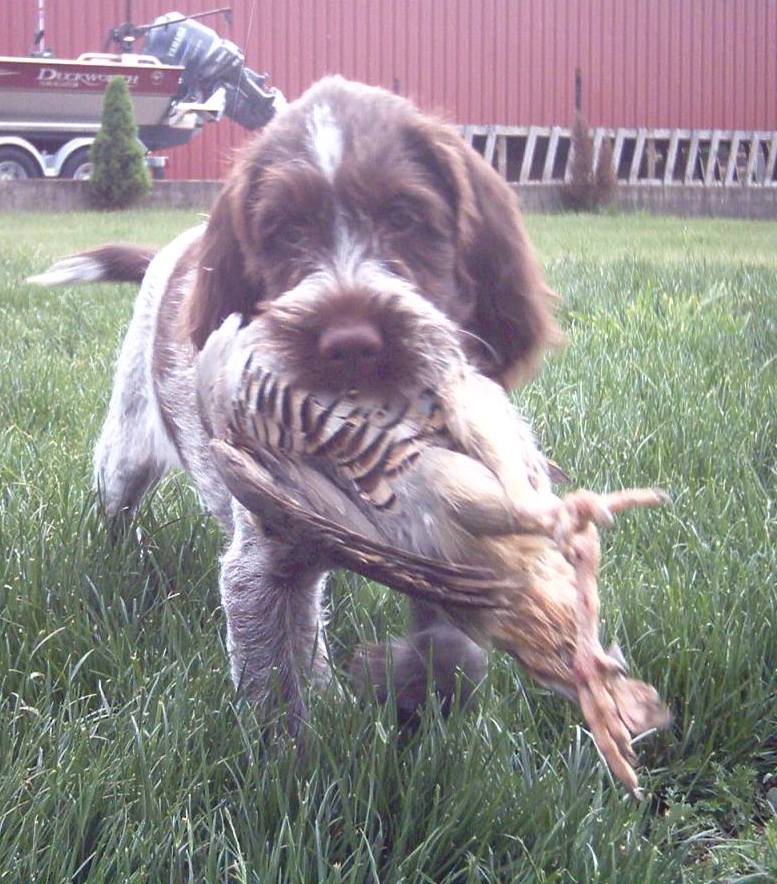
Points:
(690, 63)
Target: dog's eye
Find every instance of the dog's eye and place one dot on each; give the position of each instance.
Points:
(401, 218)
(284, 235)
(292, 235)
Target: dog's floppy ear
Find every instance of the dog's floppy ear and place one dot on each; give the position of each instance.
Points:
(224, 284)
(511, 306)
(514, 307)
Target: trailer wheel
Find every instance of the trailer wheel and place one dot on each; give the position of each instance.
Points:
(77, 165)
(16, 164)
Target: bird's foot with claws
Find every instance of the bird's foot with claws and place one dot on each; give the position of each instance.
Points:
(582, 508)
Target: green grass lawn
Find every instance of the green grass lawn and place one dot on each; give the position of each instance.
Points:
(123, 756)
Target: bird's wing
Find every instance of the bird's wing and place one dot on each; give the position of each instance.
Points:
(301, 503)
(557, 475)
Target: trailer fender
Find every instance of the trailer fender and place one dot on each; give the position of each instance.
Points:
(71, 159)
(19, 158)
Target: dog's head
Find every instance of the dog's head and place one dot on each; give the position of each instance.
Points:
(350, 201)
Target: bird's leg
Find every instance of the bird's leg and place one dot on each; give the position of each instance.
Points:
(593, 657)
(580, 508)
(562, 519)
(594, 668)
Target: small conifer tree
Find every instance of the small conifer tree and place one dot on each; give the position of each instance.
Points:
(605, 181)
(579, 192)
(119, 175)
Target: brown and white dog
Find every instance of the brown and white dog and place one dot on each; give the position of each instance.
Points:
(355, 208)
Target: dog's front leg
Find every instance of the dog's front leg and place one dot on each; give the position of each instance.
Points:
(271, 593)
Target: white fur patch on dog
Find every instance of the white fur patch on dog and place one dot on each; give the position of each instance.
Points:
(327, 139)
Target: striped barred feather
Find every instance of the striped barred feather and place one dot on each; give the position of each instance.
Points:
(368, 443)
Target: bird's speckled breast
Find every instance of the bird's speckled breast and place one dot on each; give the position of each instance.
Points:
(365, 442)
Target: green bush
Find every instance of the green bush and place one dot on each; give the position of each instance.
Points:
(579, 194)
(605, 180)
(120, 176)
(588, 189)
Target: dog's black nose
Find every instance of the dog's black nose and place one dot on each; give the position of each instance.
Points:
(354, 344)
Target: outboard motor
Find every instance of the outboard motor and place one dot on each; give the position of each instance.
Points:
(212, 63)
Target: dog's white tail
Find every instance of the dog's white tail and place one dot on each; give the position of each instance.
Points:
(111, 263)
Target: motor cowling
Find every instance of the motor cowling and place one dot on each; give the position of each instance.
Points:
(210, 63)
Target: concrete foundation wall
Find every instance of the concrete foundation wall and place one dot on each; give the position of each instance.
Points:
(690, 200)
(44, 195)
(729, 202)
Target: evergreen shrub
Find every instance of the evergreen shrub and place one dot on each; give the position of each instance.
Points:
(120, 175)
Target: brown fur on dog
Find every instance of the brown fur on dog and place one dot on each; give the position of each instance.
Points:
(435, 212)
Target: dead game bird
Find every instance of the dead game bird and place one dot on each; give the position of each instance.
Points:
(442, 495)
